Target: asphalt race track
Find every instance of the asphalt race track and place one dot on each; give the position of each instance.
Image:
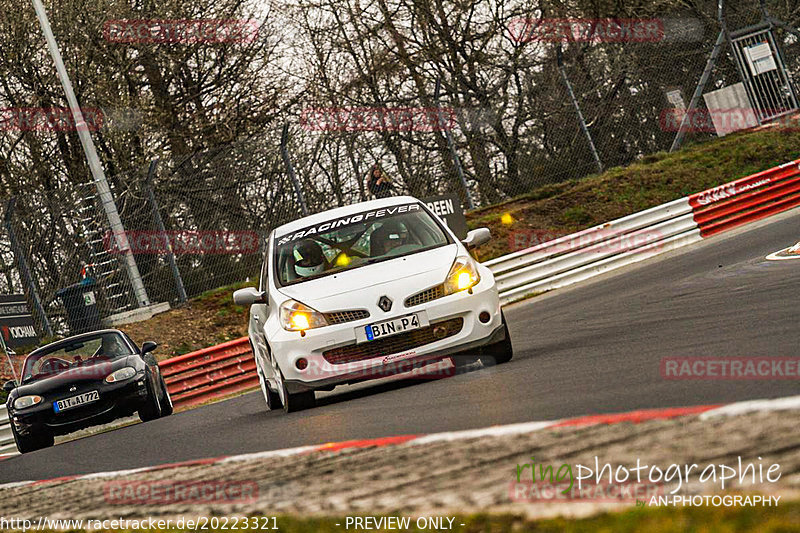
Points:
(593, 348)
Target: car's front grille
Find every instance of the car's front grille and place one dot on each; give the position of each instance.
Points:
(394, 344)
(425, 296)
(340, 317)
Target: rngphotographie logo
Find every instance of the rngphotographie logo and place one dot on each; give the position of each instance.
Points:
(423, 119)
(59, 119)
(181, 31)
(183, 242)
(166, 492)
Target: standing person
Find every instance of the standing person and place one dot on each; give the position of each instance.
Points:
(379, 183)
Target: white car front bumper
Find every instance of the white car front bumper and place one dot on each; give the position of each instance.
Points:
(328, 366)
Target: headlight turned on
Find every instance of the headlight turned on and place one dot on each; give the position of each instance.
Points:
(23, 402)
(463, 275)
(296, 316)
(121, 375)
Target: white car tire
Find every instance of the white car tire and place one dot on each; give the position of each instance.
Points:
(272, 399)
(293, 402)
(499, 352)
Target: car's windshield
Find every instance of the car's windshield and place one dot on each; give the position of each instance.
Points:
(83, 353)
(355, 240)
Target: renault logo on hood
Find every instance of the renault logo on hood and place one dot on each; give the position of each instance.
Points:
(385, 303)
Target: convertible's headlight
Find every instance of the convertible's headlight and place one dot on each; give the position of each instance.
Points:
(463, 275)
(121, 375)
(299, 317)
(26, 401)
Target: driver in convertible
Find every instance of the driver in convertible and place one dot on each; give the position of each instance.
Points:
(309, 259)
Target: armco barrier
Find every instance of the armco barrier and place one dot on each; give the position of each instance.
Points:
(579, 256)
(210, 373)
(6, 438)
(590, 252)
(748, 199)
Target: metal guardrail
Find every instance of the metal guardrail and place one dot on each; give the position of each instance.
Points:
(748, 199)
(636, 237)
(590, 252)
(209, 373)
(228, 368)
(7, 445)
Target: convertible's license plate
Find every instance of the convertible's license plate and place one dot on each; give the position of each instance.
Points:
(387, 328)
(76, 401)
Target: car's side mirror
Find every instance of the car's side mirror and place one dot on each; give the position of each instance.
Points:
(477, 237)
(249, 296)
(8, 386)
(148, 346)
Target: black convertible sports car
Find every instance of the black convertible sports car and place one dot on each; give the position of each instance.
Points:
(83, 381)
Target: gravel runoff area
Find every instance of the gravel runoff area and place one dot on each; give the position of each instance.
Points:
(436, 475)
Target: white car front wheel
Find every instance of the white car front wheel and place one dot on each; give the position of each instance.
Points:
(293, 402)
(272, 399)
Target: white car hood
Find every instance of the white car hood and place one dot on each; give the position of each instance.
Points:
(361, 287)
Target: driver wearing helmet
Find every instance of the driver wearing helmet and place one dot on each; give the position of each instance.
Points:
(309, 259)
(388, 237)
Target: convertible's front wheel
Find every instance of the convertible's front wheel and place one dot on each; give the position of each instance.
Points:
(151, 408)
(166, 400)
(34, 441)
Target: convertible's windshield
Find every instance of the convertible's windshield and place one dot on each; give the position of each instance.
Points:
(82, 353)
(356, 240)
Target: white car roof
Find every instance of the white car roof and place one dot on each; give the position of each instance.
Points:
(339, 212)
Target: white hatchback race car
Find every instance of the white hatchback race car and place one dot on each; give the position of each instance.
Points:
(366, 291)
